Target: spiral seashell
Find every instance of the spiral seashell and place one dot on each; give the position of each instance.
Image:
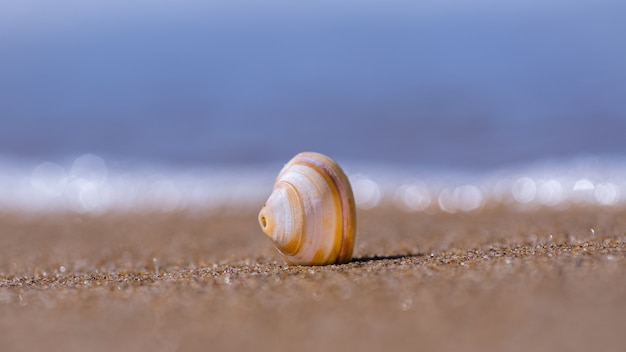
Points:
(310, 215)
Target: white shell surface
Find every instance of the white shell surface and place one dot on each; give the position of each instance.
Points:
(310, 215)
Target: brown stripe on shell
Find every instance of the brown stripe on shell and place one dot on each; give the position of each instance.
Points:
(347, 207)
(325, 256)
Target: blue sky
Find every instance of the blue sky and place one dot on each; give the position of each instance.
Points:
(435, 82)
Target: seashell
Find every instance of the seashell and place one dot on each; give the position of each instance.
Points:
(310, 215)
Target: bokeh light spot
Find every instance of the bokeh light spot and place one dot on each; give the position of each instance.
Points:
(524, 190)
(367, 193)
(467, 198)
(89, 167)
(413, 197)
(49, 179)
(550, 192)
(607, 193)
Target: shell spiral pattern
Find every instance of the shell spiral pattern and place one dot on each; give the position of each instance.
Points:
(310, 215)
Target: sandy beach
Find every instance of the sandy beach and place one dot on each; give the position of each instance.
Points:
(496, 280)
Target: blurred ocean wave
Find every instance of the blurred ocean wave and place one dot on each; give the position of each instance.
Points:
(89, 184)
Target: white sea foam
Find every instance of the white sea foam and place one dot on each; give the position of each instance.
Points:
(89, 184)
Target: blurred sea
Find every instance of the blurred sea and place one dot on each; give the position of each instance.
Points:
(430, 105)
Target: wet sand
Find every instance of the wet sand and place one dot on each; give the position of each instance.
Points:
(491, 281)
